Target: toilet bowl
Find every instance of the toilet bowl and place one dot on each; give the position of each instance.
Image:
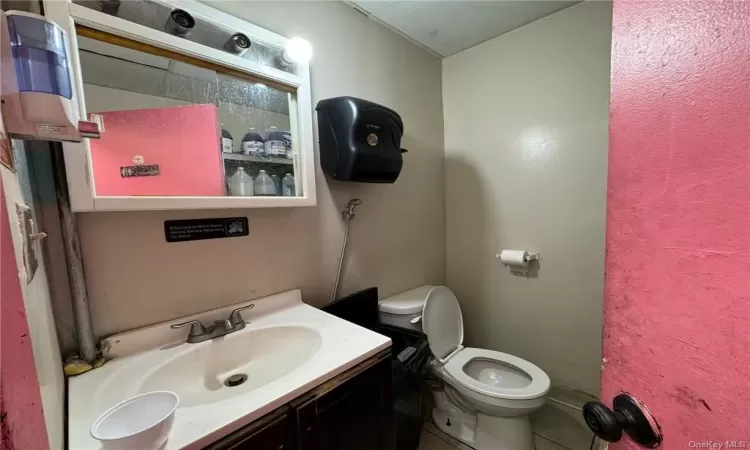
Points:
(487, 396)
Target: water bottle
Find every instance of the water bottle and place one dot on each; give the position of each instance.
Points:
(252, 143)
(264, 184)
(277, 183)
(226, 140)
(287, 186)
(288, 142)
(241, 183)
(275, 143)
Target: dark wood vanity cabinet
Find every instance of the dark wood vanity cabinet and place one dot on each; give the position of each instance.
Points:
(275, 431)
(354, 411)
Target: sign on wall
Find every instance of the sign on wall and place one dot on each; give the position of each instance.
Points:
(199, 229)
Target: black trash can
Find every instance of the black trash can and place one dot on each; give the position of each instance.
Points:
(410, 352)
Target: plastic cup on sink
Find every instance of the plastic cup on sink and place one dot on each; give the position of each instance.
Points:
(142, 422)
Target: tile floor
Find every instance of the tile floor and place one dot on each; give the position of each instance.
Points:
(556, 427)
(434, 439)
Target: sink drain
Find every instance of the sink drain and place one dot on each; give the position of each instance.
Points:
(235, 380)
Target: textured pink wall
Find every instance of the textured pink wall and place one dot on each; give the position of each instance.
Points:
(677, 312)
(23, 426)
(182, 140)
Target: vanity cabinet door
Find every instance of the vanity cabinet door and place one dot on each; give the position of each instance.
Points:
(269, 433)
(353, 415)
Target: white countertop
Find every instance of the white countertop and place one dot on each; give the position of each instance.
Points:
(343, 345)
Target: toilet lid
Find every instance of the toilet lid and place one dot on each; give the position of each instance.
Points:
(442, 321)
(409, 302)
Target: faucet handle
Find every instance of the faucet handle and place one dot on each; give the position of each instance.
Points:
(196, 328)
(236, 318)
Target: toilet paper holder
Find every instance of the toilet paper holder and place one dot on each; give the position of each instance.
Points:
(533, 257)
(529, 257)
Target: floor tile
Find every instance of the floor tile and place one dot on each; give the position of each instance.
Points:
(561, 425)
(430, 427)
(429, 441)
(544, 444)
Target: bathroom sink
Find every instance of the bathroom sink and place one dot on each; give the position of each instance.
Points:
(233, 364)
(285, 349)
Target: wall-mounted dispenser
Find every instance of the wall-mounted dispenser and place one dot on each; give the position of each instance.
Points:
(359, 140)
(35, 81)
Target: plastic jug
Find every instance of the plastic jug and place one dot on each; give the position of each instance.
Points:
(252, 143)
(241, 183)
(264, 184)
(287, 186)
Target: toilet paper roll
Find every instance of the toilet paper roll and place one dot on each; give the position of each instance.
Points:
(516, 260)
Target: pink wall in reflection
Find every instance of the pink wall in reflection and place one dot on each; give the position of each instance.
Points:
(182, 140)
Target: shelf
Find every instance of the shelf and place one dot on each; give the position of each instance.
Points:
(259, 159)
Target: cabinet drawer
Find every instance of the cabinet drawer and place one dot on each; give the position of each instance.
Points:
(277, 435)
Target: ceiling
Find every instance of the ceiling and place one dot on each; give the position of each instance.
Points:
(450, 26)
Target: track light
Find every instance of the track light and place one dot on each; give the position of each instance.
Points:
(179, 23)
(238, 44)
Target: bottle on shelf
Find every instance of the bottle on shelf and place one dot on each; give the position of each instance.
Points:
(288, 142)
(277, 183)
(264, 184)
(287, 186)
(227, 143)
(252, 143)
(275, 143)
(241, 183)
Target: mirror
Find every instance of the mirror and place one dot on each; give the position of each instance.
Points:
(172, 128)
(212, 34)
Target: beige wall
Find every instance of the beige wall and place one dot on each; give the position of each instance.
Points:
(526, 142)
(397, 241)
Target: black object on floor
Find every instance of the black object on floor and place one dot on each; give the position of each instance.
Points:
(410, 352)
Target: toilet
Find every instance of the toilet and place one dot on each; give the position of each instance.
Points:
(487, 396)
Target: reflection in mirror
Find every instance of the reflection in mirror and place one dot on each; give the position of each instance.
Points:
(192, 27)
(175, 129)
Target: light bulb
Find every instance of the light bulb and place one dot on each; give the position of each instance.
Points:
(297, 50)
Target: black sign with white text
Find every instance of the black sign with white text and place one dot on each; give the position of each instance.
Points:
(198, 229)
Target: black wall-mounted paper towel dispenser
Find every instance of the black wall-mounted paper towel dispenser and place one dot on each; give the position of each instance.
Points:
(359, 140)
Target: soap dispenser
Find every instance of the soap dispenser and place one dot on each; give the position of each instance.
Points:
(36, 81)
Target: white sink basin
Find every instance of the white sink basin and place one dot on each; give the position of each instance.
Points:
(286, 349)
(262, 356)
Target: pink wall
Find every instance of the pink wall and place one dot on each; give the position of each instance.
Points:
(677, 308)
(182, 140)
(23, 426)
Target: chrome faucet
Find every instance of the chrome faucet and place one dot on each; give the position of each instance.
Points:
(200, 333)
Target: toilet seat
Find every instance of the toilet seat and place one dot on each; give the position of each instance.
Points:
(443, 325)
(538, 386)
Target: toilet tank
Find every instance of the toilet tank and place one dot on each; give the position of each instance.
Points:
(404, 310)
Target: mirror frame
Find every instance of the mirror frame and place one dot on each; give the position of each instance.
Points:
(81, 185)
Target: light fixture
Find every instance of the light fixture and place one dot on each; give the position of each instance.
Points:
(297, 51)
(179, 23)
(238, 43)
